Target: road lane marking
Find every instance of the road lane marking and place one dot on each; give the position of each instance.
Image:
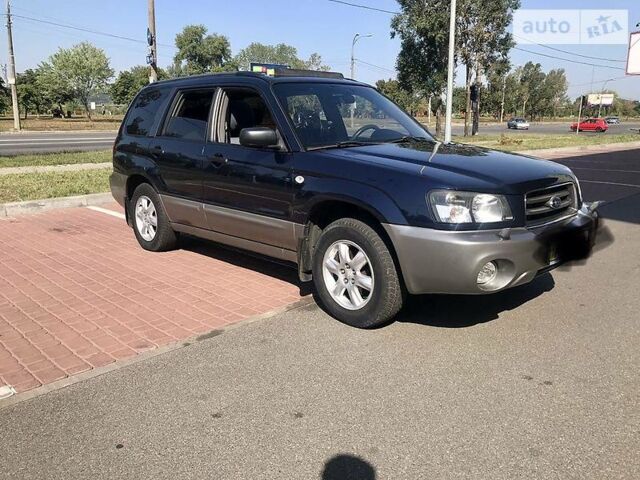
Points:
(106, 211)
(605, 169)
(611, 183)
(54, 140)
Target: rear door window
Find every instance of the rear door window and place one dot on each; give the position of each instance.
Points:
(145, 111)
(189, 117)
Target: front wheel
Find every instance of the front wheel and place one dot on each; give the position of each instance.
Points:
(355, 275)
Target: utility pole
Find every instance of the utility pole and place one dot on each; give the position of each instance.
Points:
(504, 91)
(12, 72)
(356, 37)
(152, 58)
(450, 72)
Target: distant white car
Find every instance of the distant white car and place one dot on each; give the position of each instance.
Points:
(518, 124)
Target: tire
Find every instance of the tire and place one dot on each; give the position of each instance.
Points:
(158, 238)
(384, 299)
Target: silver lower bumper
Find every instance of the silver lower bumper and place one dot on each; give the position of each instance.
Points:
(438, 261)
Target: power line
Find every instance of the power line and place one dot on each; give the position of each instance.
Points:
(567, 52)
(86, 30)
(374, 65)
(364, 7)
(567, 59)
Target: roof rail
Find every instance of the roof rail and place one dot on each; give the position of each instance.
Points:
(293, 72)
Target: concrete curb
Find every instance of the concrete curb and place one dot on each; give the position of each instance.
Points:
(60, 132)
(15, 209)
(571, 151)
(74, 167)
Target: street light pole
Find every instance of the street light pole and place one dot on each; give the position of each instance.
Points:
(12, 72)
(356, 37)
(450, 72)
(602, 93)
(153, 44)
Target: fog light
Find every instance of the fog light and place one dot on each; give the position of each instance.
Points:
(487, 273)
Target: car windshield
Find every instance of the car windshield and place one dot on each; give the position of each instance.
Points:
(333, 115)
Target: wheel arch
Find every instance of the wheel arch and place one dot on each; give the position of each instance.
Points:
(327, 211)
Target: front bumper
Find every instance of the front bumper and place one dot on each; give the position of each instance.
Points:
(438, 261)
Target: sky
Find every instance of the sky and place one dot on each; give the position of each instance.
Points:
(310, 25)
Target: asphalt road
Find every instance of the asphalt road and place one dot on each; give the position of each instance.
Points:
(541, 381)
(544, 129)
(46, 142)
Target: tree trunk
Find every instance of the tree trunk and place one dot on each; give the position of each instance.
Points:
(88, 110)
(467, 107)
(438, 122)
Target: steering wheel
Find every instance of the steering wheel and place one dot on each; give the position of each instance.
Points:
(364, 128)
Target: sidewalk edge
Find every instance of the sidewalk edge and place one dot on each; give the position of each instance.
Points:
(15, 209)
(117, 365)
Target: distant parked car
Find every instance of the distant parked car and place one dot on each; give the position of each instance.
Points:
(591, 125)
(613, 120)
(518, 124)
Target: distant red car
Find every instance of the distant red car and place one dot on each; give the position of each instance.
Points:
(591, 125)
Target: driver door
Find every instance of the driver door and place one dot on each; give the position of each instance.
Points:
(247, 191)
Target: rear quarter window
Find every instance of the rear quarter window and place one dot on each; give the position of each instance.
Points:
(145, 111)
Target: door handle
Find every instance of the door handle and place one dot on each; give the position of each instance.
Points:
(157, 150)
(218, 159)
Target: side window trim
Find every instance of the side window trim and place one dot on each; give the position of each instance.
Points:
(176, 100)
(221, 113)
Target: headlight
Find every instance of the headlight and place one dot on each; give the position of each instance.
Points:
(468, 207)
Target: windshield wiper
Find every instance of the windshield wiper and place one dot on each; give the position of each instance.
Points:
(410, 138)
(345, 144)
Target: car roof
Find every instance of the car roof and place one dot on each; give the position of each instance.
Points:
(213, 78)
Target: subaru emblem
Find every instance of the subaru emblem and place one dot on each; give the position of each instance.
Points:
(555, 202)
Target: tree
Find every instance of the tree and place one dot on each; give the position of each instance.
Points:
(78, 72)
(5, 97)
(423, 28)
(30, 96)
(129, 82)
(200, 53)
(392, 89)
(422, 62)
(281, 54)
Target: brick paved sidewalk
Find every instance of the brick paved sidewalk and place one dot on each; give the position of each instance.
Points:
(77, 292)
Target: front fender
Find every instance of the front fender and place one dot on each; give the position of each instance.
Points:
(369, 198)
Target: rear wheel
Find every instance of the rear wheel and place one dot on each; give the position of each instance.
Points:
(355, 275)
(150, 222)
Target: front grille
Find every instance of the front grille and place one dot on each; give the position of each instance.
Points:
(550, 204)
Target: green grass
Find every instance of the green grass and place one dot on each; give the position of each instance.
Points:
(34, 186)
(514, 142)
(67, 158)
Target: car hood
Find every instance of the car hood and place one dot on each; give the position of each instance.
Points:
(462, 166)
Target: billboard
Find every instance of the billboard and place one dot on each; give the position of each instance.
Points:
(604, 99)
(633, 59)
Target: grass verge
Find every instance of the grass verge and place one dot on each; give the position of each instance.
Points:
(67, 158)
(62, 124)
(515, 142)
(35, 186)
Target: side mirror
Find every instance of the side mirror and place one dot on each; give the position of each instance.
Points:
(259, 137)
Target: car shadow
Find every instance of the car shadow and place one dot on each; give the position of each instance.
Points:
(281, 270)
(460, 311)
(447, 311)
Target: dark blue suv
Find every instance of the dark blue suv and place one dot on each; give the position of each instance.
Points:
(331, 175)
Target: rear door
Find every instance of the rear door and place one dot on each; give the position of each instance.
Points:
(178, 150)
(247, 191)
